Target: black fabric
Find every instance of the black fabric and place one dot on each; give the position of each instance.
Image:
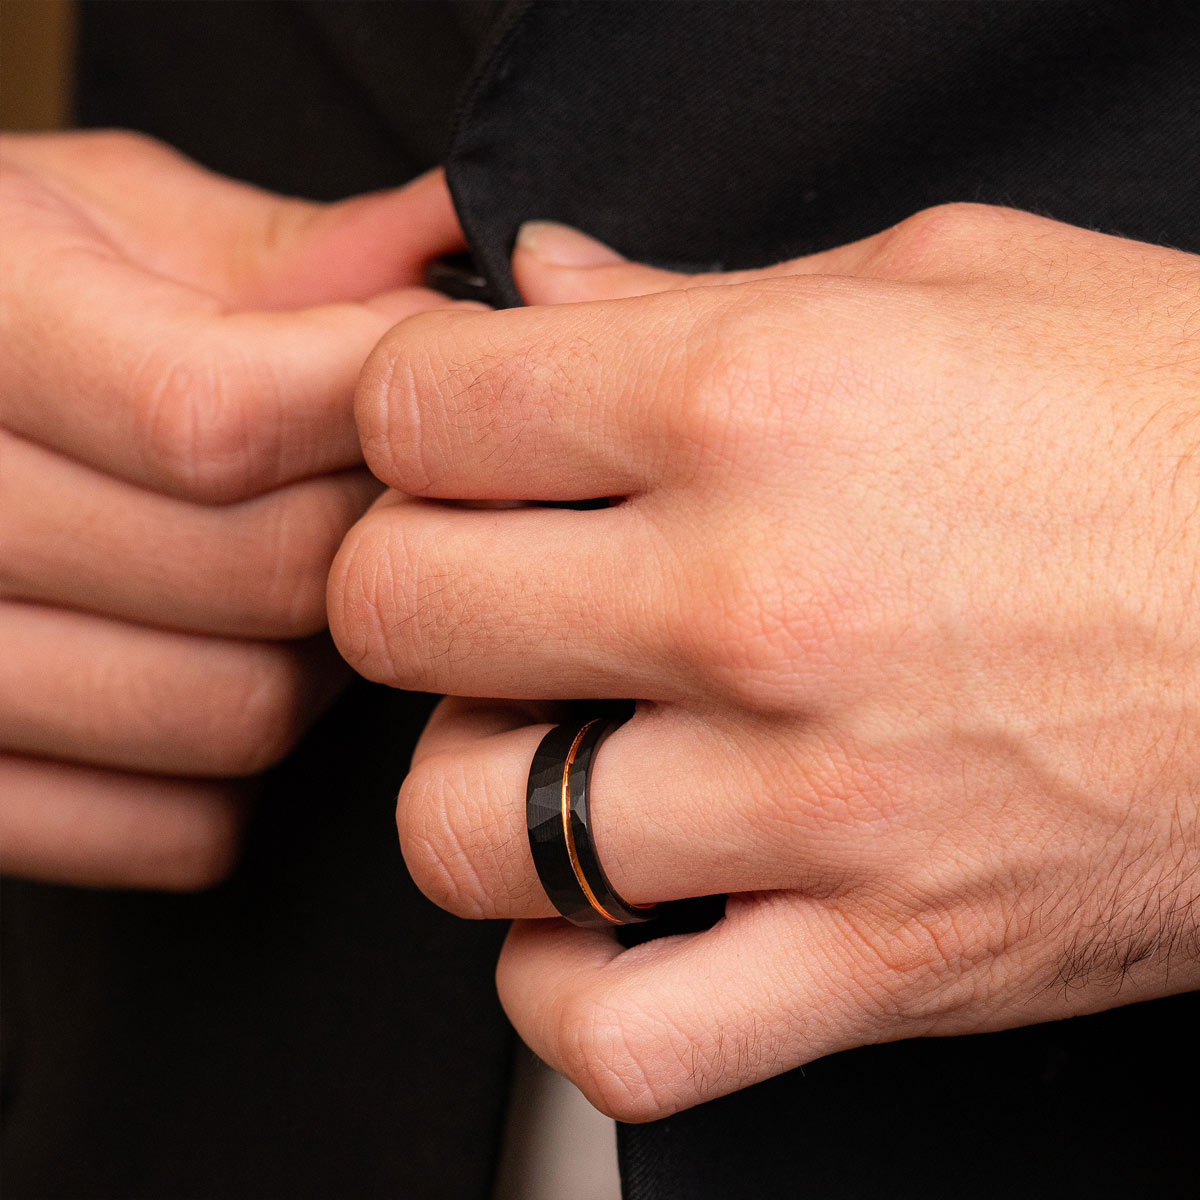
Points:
(705, 134)
(305, 97)
(1093, 1107)
(313, 1028)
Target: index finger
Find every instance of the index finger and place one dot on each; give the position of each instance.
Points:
(568, 402)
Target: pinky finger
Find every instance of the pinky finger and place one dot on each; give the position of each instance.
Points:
(85, 826)
(668, 1024)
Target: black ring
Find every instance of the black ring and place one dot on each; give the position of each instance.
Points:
(558, 818)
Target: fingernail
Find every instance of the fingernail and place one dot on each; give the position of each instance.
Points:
(561, 246)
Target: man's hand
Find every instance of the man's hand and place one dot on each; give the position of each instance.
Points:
(904, 578)
(178, 464)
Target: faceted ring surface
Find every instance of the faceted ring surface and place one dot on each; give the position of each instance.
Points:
(559, 819)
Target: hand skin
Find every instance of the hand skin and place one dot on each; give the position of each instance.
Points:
(178, 463)
(904, 582)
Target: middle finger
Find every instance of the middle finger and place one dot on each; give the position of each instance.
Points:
(72, 537)
(520, 603)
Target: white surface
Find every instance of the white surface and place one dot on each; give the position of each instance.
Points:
(556, 1145)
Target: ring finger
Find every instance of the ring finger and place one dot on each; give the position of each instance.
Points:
(664, 827)
(89, 690)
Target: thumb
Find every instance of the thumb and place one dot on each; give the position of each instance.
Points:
(555, 264)
(307, 254)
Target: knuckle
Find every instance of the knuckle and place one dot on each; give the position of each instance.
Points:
(291, 565)
(755, 633)
(289, 596)
(196, 430)
(372, 611)
(403, 613)
(386, 408)
(440, 840)
(952, 238)
(750, 395)
(427, 389)
(238, 712)
(200, 849)
(813, 793)
(615, 1057)
(117, 142)
(725, 391)
(258, 715)
(416, 372)
(917, 966)
(106, 149)
(346, 600)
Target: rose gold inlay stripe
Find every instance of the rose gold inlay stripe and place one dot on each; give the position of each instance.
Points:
(569, 836)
